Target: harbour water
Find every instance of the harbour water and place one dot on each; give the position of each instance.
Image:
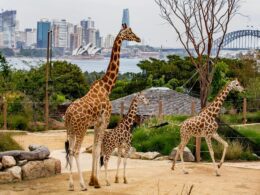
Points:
(126, 65)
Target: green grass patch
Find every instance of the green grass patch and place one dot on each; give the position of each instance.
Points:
(252, 117)
(252, 132)
(8, 143)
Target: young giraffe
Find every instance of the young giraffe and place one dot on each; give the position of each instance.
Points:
(205, 125)
(121, 137)
(93, 109)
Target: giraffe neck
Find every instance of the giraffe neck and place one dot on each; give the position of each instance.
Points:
(112, 71)
(214, 107)
(130, 117)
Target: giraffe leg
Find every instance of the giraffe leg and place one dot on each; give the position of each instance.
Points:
(79, 140)
(208, 140)
(91, 181)
(71, 146)
(118, 164)
(219, 139)
(176, 157)
(97, 159)
(125, 162)
(182, 146)
(105, 164)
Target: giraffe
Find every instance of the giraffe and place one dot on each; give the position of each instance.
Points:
(93, 109)
(205, 125)
(121, 137)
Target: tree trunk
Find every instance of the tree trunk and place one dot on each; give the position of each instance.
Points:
(36, 153)
(204, 91)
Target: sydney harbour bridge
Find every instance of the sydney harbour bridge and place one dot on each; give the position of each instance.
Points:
(240, 40)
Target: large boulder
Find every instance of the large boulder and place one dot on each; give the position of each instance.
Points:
(16, 172)
(187, 155)
(45, 168)
(150, 155)
(6, 177)
(8, 161)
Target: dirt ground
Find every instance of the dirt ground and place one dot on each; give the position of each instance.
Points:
(144, 177)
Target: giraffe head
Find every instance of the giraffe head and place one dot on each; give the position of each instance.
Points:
(141, 98)
(127, 34)
(236, 85)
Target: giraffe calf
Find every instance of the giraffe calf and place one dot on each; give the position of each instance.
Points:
(120, 138)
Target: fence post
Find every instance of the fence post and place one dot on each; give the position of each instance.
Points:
(5, 113)
(160, 110)
(192, 108)
(244, 110)
(122, 109)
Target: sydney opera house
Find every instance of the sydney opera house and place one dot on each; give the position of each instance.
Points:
(87, 51)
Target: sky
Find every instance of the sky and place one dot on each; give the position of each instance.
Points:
(145, 18)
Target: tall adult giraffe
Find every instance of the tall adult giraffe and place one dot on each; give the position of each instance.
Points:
(93, 109)
(205, 125)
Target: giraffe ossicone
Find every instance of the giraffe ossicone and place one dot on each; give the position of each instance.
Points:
(94, 109)
(205, 125)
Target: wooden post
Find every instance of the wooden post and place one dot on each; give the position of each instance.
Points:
(160, 110)
(5, 113)
(122, 109)
(244, 110)
(198, 145)
(47, 84)
(192, 108)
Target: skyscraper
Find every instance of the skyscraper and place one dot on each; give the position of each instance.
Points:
(60, 33)
(86, 25)
(125, 20)
(7, 28)
(42, 33)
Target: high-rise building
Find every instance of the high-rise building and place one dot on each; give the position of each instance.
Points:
(98, 39)
(30, 37)
(42, 33)
(109, 41)
(91, 32)
(125, 20)
(7, 28)
(60, 34)
(76, 38)
(86, 25)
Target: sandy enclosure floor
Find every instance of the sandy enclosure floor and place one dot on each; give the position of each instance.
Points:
(144, 177)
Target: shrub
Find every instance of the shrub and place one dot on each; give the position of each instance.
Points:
(114, 120)
(18, 122)
(7, 143)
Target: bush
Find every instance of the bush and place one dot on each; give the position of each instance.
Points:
(17, 122)
(114, 120)
(156, 139)
(7, 143)
(235, 151)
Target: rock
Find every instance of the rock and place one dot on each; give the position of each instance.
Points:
(8, 161)
(89, 149)
(22, 162)
(36, 169)
(150, 155)
(1, 165)
(16, 172)
(136, 155)
(187, 155)
(33, 147)
(162, 158)
(6, 177)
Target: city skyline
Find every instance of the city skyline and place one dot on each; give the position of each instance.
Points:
(108, 15)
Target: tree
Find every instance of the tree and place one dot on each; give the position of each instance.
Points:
(197, 23)
(5, 74)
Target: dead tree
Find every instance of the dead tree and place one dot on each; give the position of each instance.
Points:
(197, 24)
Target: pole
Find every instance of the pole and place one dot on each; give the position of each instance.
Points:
(244, 110)
(5, 113)
(46, 84)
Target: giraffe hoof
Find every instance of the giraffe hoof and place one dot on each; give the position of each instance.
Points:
(116, 180)
(71, 188)
(218, 175)
(91, 182)
(185, 172)
(83, 187)
(97, 186)
(173, 168)
(125, 181)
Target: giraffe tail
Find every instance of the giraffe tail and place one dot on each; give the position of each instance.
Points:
(101, 160)
(67, 153)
